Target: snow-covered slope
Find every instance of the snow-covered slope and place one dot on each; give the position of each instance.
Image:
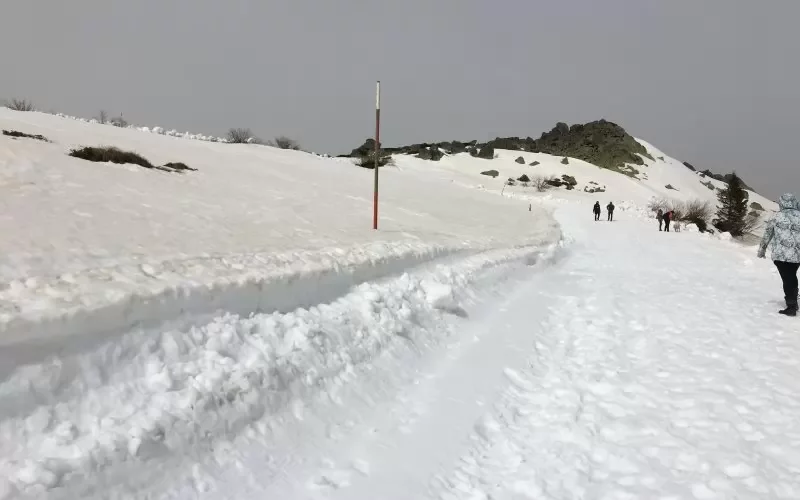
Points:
(248, 215)
(104, 256)
(651, 181)
(240, 331)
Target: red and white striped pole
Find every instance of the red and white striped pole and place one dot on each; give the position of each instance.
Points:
(377, 151)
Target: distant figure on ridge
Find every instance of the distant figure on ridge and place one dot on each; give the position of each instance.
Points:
(660, 217)
(667, 219)
(610, 208)
(783, 232)
(596, 210)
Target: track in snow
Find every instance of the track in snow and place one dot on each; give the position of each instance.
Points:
(645, 365)
(636, 369)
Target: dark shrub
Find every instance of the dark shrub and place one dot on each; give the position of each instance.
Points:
(368, 160)
(283, 142)
(179, 166)
(697, 212)
(542, 183)
(16, 133)
(565, 161)
(239, 135)
(110, 154)
(20, 105)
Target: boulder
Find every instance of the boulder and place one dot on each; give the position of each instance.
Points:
(486, 152)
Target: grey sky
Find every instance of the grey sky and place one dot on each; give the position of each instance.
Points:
(711, 82)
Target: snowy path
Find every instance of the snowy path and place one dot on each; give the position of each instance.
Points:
(663, 373)
(643, 365)
(648, 365)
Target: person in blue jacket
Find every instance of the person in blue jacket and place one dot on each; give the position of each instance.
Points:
(782, 235)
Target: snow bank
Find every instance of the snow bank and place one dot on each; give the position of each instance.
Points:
(100, 248)
(103, 300)
(146, 395)
(723, 236)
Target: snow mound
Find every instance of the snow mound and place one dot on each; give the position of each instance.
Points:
(146, 395)
(723, 236)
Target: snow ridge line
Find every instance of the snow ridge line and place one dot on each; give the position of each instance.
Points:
(161, 393)
(36, 315)
(121, 298)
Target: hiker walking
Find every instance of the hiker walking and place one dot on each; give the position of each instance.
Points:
(596, 210)
(667, 219)
(610, 208)
(783, 235)
(660, 217)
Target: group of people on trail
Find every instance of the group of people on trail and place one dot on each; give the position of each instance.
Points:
(664, 219)
(609, 209)
(782, 235)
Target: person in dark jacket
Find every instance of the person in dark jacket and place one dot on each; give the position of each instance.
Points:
(667, 220)
(610, 208)
(782, 236)
(596, 210)
(660, 217)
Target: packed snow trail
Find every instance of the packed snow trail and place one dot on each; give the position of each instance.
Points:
(664, 372)
(640, 365)
(646, 365)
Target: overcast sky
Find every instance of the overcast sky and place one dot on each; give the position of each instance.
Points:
(714, 83)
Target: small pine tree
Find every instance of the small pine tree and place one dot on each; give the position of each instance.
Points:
(732, 211)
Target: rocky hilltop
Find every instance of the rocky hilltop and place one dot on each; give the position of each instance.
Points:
(601, 142)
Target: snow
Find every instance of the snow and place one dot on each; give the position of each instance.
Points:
(675, 385)
(215, 334)
(130, 244)
(624, 191)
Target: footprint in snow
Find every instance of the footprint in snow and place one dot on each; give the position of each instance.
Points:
(337, 478)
